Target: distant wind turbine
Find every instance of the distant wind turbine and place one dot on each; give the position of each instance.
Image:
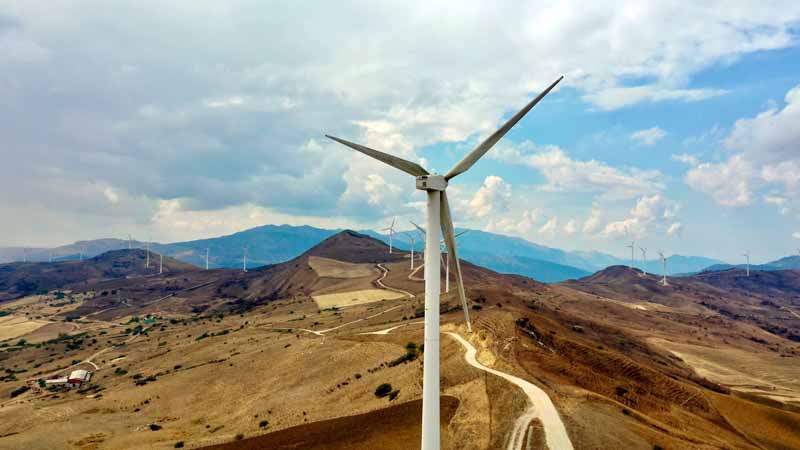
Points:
(747, 258)
(411, 236)
(147, 253)
(633, 252)
(130, 242)
(244, 261)
(160, 263)
(445, 259)
(438, 216)
(644, 260)
(663, 268)
(206, 258)
(390, 229)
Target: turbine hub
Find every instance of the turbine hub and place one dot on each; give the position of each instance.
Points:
(431, 183)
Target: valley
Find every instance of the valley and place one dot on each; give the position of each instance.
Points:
(298, 353)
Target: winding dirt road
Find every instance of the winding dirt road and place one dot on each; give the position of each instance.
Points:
(542, 407)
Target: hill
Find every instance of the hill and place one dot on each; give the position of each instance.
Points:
(21, 279)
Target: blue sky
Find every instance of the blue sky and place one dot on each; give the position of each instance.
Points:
(675, 125)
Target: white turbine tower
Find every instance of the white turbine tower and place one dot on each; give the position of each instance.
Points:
(747, 258)
(130, 242)
(244, 261)
(633, 253)
(147, 254)
(445, 259)
(644, 260)
(160, 263)
(663, 268)
(206, 258)
(411, 236)
(390, 229)
(438, 216)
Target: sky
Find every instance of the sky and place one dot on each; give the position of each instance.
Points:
(676, 125)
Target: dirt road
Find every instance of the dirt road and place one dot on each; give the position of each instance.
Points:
(543, 409)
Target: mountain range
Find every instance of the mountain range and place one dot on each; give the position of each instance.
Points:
(272, 244)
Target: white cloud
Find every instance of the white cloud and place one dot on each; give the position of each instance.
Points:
(550, 227)
(519, 226)
(766, 156)
(564, 174)
(225, 122)
(675, 229)
(491, 199)
(619, 97)
(593, 222)
(570, 227)
(654, 213)
(796, 235)
(648, 136)
(728, 183)
(687, 159)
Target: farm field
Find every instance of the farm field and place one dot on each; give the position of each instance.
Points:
(13, 326)
(326, 267)
(345, 299)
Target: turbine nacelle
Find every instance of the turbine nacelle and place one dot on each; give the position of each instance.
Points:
(431, 182)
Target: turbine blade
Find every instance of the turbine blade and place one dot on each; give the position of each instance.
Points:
(450, 240)
(398, 163)
(421, 230)
(486, 145)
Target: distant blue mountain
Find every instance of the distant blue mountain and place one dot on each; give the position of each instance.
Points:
(785, 263)
(270, 244)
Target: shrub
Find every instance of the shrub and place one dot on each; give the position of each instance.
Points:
(393, 395)
(239, 437)
(155, 427)
(179, 444)
(120, 371)
(263, 423)
(383, 390)
(19, 391)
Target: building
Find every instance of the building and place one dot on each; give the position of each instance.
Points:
(75, 379)
(78, 377)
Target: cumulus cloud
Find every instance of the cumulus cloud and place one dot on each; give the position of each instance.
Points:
(521, 225)
(564, 174)
(571, 227)
(593, 222)
(550, 227)
(796, 235)
(491, 199)
(765, 156)
(651, 214)
(217, 105)
(687, 159)
(648, 136)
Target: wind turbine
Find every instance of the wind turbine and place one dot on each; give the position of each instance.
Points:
(438, 216)
(633, 248)
(130, 242)
(644, 260)
(244, 260)
(663, 268)
(391, 232)
(445, 262)
(206, 258)
(160, 263)
(747, 257)
(147, 254)
(411, 236)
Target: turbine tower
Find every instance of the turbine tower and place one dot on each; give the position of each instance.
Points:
(747, 258)
(244, 260)
(663, 268)
(160, 263)
(390, 229)
(411, 236)
(633, 252)
(130, 242)
(444, 259)
(147, 254)
(644, 260)
(438, 216)
(206, 258)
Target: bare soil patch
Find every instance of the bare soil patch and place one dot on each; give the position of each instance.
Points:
(344, 299)
(326, 267)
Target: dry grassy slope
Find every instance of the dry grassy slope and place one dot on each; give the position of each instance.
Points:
(768, 300)
(21, 279)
